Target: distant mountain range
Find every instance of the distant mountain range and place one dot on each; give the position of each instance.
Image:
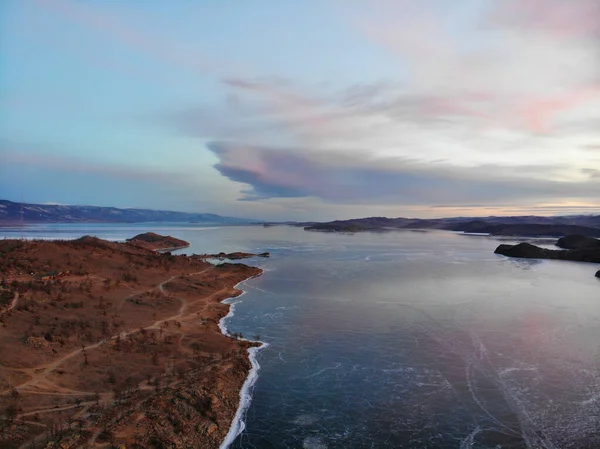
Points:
(10, 212)
(588, 225)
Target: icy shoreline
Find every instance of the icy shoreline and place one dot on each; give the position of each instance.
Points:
(237, 424)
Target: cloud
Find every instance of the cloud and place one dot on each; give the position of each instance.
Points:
(344, 179)
(563, 20)
(591, 147)
(591, 172)
(481, 96)
(519, 64)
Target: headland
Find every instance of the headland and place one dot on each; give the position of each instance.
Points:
(107, 344)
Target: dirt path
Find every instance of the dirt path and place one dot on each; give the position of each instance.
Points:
(38, 379)
(13, 303)
(38, 384)
(55, 409)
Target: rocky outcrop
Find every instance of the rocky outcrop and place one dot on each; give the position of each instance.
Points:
(598, 274)
(577, 241)
(37, 342)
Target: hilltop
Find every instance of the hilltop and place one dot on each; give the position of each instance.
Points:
(157, 242)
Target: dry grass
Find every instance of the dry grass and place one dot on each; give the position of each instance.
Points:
(101, 356)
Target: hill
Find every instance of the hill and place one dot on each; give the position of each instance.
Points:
(157, 242)
(108, 344)
(587, 225)
(578, 249)
(10, 212)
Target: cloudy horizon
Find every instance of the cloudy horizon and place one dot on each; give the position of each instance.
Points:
(315, 111)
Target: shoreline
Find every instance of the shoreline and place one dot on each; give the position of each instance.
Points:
(245, 396)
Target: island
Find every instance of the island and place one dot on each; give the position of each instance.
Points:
(108, 344)
(584, 250)
(229, 256)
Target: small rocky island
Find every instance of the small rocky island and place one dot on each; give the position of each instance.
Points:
(577, 248)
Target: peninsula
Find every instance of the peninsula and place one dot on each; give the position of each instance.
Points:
(109, 344)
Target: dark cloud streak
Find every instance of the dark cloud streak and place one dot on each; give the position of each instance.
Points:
(341, 179)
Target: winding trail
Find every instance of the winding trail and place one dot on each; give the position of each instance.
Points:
(37, 382)
(13, 303)
(39, 373)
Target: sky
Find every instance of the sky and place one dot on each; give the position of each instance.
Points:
(311, 110)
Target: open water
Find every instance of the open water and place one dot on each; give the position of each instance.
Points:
(405, 339)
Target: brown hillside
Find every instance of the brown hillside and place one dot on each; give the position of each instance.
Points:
(106, 343)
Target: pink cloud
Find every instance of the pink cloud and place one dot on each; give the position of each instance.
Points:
(309, 118)
(567, 19)
(539, 112)
(474, 82)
